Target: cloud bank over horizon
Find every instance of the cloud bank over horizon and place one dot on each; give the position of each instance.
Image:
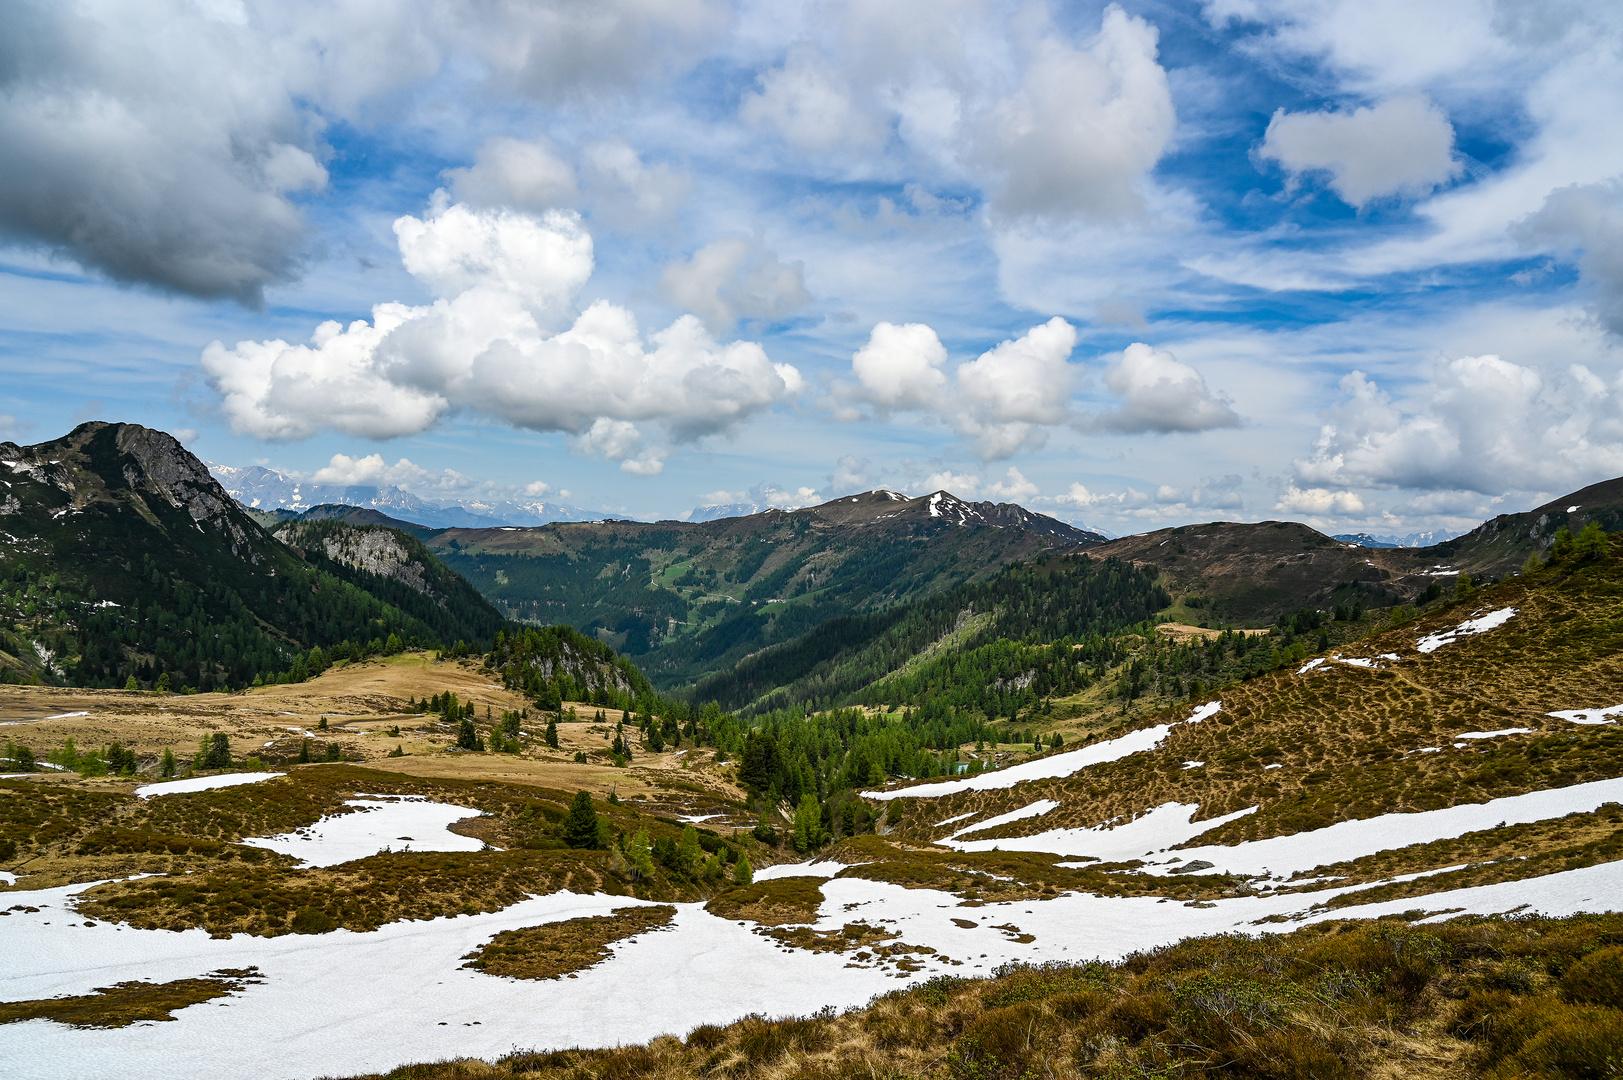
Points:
(1132, 264)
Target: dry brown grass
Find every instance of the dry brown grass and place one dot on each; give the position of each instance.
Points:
(127, 1003)
(1347, 738)
(777, 902)
(554, 950)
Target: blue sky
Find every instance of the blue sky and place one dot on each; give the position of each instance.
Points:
(1130, 264)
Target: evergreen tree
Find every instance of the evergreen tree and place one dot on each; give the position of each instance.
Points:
(639, 856)
(218, 754)
(688, 852)
(808, 824)
(743, 873)
(1591, 542)
(466, 737)
(335, 752)
(580, 825)
(304, 751)
(166, 766)
(131, 684)
(552, 732)
(162, 686)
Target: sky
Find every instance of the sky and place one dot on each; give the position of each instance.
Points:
(1357, 263)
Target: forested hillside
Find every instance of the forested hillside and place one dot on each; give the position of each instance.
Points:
(687, 600)
(121, 558)
(1064, 600)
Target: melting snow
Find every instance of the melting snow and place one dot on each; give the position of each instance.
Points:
(1053, 766)
(958, 817)
(1285, 855)
(403, 825)
(398, 994)
(204, 783)
(1493, 734)
(1310, 665)
(806, 869)
(1165, 826)
(1479, 625)
(1036, 809)
(1589, 716)
(66, 715)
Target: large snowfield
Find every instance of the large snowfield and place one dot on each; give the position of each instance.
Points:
(345, 1003)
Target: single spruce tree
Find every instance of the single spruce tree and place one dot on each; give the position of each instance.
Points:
(166, 766)
(218, 755)
(808, 824)
(467, 737)
(689, 853)
(304, 751)
(580, 824)
(552, 732)
(743, 873)
(335, 752)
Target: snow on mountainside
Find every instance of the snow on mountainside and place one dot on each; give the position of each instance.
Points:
(1413, 540)
(266, 489)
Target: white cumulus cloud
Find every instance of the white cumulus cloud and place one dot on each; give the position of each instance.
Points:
(1404, 145)
(1161, 394)
(1477, 423)
(1318, 500)
(1586, 219)
(1009, 394)
(734, 278)
(808, 101)
(499, 343)
(1083, 128)
(900, 367)
(514, 173)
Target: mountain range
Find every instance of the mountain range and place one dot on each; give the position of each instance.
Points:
(260, 488)
(122, 557)
(687, 599)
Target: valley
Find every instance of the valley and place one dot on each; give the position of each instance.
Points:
(981, 797)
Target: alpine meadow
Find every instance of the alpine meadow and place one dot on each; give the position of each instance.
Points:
(709, 540)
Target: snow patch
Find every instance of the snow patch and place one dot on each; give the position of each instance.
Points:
(203, 783)
(1154, 830)
(1493, 734)
(1310, 665)
(1589, 716)
(374, 826)
(1036, 809)
(1281, 856)
(806, 869)
(1054, 766)
(1479, 625)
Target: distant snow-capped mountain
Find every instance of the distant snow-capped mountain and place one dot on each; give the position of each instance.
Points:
(1413, 540)
(266, 489)
(717, 511)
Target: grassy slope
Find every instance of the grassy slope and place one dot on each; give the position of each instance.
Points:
(685, 600)
(1252, 573)
(1345, 736)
